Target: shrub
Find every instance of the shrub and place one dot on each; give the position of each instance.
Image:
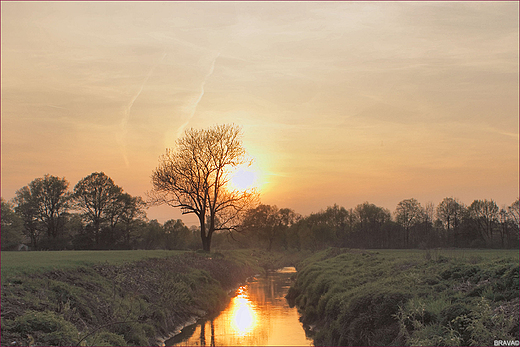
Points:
(105, 338)
(47, 328)
(134, 333)
(370, 319)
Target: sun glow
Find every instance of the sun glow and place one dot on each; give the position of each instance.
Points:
(245, 177)
(244, 314)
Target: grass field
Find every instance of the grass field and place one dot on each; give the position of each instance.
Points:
(456, 252)
(353, 297)
(463, 255)
(16, 263)
(409, 297)
(13, 263)
(453, 253)
(111, 298)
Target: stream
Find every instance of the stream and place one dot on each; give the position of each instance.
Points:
(258, 315)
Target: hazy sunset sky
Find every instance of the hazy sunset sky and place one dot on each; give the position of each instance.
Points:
(340, 102)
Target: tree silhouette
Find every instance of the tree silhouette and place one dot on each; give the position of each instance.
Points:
(99, 198)
(450, 212)
(43, 205)
(195, 175)
(409, 213)
(485, 214)
(268, 223)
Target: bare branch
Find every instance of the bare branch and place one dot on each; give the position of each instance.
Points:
(194, 177)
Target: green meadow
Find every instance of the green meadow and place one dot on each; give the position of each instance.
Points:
(16, 263)
(119, 298)
(111, 298)
(409, 297)
(439, 297)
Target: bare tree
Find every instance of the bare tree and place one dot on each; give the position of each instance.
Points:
(132, 213)
(195, 178)
(98, 197)
(11, 226)
(268, 223)
(429, 210)
(176, 234)
(371, 219)
(512, 216)
(513, 213)
(43, 205)
(485, 213)
(450, 212)
(409, 213)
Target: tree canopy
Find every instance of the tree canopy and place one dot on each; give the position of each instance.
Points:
(195, 175)
(43, 204)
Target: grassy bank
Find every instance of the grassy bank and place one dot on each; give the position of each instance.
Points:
(438, 298)
(113, 301)
(118, 297)
(29, 262)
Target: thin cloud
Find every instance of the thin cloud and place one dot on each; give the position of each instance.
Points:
(126, 116)
(194, 107)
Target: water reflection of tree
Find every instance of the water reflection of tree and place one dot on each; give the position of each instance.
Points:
(258, 338)
(203, 333)
(212, 334)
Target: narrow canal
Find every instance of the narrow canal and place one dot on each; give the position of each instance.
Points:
(258, 315)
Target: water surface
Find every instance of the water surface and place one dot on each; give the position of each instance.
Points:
(258, 315)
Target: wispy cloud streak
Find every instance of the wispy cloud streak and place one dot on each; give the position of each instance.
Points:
(126, 116)
(194, 107)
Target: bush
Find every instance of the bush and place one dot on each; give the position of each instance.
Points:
(134, 333)
(47, 328)
(105, 338)
(371, 319)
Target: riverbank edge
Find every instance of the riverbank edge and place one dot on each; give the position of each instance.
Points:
(203, 314)
(177, 330)
(137, 303)
(349, 297)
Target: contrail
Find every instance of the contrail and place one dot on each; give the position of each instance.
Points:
(212, 68)
(126, 116)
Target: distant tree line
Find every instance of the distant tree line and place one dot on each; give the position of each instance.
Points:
(98, 214)
(450, 224)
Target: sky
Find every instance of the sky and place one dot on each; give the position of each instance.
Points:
(339, 102)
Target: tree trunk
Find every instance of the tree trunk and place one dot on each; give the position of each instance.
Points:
(206, 245)
(34, 241)
(126, 237)
(96, 228)
(206, 239)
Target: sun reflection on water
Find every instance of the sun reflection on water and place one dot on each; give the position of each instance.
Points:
(244, 316)
(258, 315)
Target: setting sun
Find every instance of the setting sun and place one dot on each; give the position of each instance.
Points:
(244, 179)
(186, 150)
(333, 110)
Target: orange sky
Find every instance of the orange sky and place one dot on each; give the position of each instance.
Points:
(340, 102)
